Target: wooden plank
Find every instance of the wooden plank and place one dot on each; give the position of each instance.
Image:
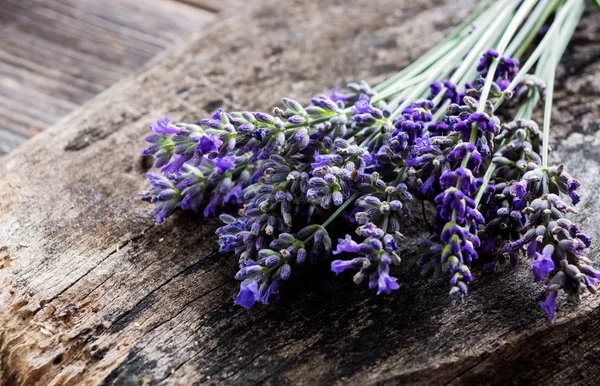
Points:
(17, 44)
(216, 5)
(10, 139)
(57, 54)
(92, 292)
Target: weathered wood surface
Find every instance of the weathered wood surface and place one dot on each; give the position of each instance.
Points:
(93, 293)
(57, 54)
(219, 5)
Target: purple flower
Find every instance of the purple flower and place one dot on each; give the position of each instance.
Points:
(576, 197)
(363, 105)
(258, 134)
(209, 144)
(411, 127)
(543, 264)
(428, 187)
(336, 96)
(287, 170)
(503, 84)
(549, 305)
(460, 151)
(483, 122)
(486, 60)
(457, 219)
(248, 294)
(591, 274)
(419, 111)
(234, 196)
(322, 160)
(164, 193)
(271, 293)
(211, 208)
(175, 165)
(347, 245)
(463, 178)
(422, 145)
(225, 163)
(161, 146)
(507, 68)
(452, 92)
(369, 230)
(386, 283)
(164, 126)
(389, 243)
(434, 89)
(339, 266)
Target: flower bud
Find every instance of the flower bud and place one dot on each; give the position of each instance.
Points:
(263, 117)
(285, 271)
(573, 272)
(358, 277)
(293, 105)
(301, 256)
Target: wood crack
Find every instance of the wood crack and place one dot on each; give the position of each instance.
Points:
(112, 252)
(118, 324)
(186, 305)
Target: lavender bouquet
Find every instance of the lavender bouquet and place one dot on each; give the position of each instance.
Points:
(453, 130)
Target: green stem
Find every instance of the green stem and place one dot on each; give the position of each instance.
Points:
(485, 91)
(491, 35)
(484, 28)
(508, 34)
(486, 178)
(488, 38)
(531, 28)
(565, 11)
(400, 86)
(524, 112)
(434, 74)
(547, 71)
(569, 28)
(433, 55)
(368, 139)
(545, 182)
(515, 22)
(339, 210)
(466, 23)
(548, 104)
(384, 225)
(418, 66)
(441, 111)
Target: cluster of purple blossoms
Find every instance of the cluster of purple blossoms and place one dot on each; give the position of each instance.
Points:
(450, 90)
(379, 252)
(555, 245)
(356, 159)
(506, 71)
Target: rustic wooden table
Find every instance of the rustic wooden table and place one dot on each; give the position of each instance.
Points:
(92, 292)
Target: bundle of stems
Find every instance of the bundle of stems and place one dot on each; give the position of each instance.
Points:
(454, 130)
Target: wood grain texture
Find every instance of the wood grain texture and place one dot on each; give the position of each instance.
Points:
(92, 292)
(218, 5)
(57, 54)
